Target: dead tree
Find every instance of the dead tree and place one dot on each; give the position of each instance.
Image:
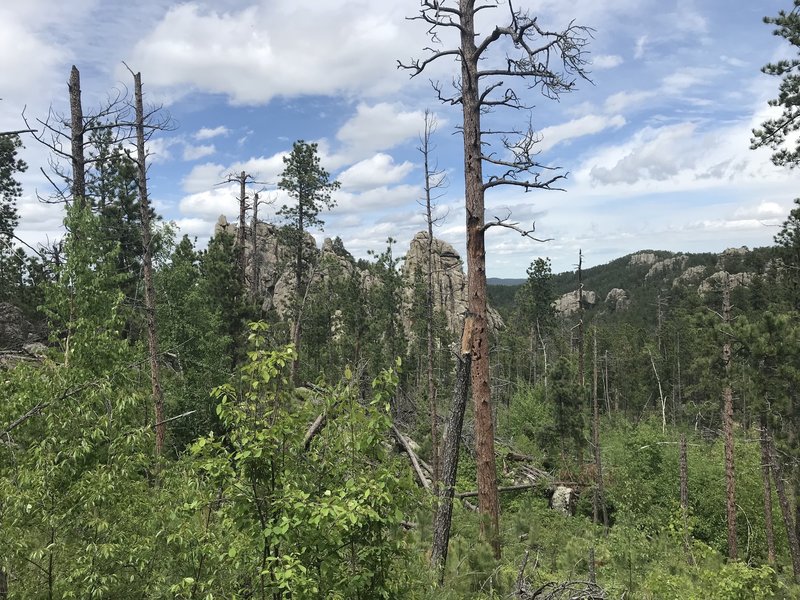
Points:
(455, 422)
(684, 483)
(147, 264)
(550, 61)
(727, 427)
(766, 474)
(68, 139)
(599, 501)
(255, 264)
(783, 501)
(434, 180)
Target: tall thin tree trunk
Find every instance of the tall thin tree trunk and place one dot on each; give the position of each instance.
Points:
(488, 502)
(434, 413)
(786, 510)
(765, 477)
(254, 257)
(599, 493)
(241, 233)
(452, 441)
(147, 263)
(684, 479)
(3, 584)
(727, 426)
(76, 135)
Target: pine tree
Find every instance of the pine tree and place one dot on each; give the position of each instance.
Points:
(309, 184)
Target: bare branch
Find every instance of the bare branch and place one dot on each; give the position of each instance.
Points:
(528, 233)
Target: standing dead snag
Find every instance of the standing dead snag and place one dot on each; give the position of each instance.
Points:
(147, 264)
(727, 426)
(550, 61)
(435, 179)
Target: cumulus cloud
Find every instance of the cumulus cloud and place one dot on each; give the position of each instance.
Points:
(379, 170)
(207, 133)
(588, 125)
(258, 53)
(191, 152)
(606, 61)
(380, 126)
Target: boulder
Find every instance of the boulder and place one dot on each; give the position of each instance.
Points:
(564, 500)
(618, 299)
(717, 280)
(14, 328)
(569, 303)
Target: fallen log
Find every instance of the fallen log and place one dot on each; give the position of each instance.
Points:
(412, 457)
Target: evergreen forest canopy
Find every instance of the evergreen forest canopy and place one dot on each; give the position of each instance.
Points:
(262, 419)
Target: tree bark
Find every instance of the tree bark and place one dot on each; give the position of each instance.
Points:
(254, 257)
(452, 442)
(147, 264)
(765, 477)
(240, 233)
(727, 426)
(684, 479)
(488, 502)
(434, 413)
(599, 502)
(786, 511)
(76, 138)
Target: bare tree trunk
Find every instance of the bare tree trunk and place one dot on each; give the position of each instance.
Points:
(147, 263)
(76, 135)
(684, 479)
(3, 584)
(765, 475)
(786, 510)
(488, 502)
(455, 422)
(240, 232)
(429, 185)
(254, 257)
(599, 493)
(727, 426)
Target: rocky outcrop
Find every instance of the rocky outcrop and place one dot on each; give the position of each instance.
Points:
(617, 300)
(716, 281)
(15, 330)
(642, 258)
(564, 500)
(667, 266)
(690, 276)
(569, 303)
(449, 283)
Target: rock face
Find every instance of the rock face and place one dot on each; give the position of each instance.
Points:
(617, 299)
(275, 277)
(643, 258)
(717, 280)
(449, 283)
(276, 282)
(667, 266)
(692, 275)
(563, 500)
(14, 328)
(569, 303)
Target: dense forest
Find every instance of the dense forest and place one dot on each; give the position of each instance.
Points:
(263, 418)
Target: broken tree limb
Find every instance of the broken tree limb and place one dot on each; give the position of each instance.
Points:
(523, 486)
(412, 457)
(313, 430)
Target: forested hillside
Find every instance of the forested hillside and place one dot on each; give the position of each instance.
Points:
(265, 418)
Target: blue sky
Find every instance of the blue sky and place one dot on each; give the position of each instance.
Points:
(655, 148)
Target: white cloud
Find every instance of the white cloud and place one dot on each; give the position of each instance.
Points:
(380, 127)
(206, 133)
(196, 152)
(379, 170)
(588, 125)
(606, 61)
(639, 48)
(257, 53)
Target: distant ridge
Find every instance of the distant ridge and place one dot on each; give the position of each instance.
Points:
(504, 281)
